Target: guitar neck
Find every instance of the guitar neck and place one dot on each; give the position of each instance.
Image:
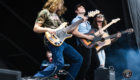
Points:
(105, 27)
(114, 35)
(73, 25)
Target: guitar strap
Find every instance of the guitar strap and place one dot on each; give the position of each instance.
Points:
(63, 19)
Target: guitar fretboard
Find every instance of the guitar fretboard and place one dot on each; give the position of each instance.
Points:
(105, 27)
(73, 25)
(114, 35)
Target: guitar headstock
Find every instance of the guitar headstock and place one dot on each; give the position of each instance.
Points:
(130, 30)
(93, 13)
(115, 20)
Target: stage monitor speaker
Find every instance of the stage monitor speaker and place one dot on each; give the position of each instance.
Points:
(104, 74)
(6, 74)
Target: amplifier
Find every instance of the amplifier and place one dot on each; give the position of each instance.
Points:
(6, 74)
(104, 74)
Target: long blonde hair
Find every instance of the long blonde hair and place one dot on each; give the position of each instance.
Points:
(95, 22)
(52, 5)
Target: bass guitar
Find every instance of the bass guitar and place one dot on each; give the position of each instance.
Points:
(62, 31)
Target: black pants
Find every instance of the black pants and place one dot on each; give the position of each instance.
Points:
(89, 57)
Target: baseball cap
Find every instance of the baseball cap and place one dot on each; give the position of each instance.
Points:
(78, 5)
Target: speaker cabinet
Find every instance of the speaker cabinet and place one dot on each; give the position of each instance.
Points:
(9, 74)
(104, 74)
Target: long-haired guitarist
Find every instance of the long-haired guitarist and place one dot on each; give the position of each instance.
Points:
(86, 53)
(98, 23)
(47, 20)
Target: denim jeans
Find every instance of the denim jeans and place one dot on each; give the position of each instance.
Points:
(57, 53)
(101, 56)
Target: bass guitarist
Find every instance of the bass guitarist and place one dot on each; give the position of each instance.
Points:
(46, 21)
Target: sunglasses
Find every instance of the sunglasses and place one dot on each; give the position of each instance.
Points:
(100, 16)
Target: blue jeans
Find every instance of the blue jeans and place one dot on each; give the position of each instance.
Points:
(57, 53)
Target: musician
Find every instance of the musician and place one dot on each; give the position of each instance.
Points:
(47, 20)
(49, 59)
(99, 22)
(86, 53)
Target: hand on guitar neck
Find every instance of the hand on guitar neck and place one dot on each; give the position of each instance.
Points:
(118, 35)
(84, 18)
(90, 14)
(101, 32)
(116, 38)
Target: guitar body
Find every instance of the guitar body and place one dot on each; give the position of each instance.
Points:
(90, 43)
(103, 44)
(107, 39)
(60, 36)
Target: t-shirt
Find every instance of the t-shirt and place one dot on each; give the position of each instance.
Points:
(49, 20)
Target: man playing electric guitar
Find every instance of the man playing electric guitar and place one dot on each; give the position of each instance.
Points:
(87, 54)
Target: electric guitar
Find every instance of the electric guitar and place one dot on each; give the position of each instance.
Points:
(62, 31)
(91, 43)
(106, 39)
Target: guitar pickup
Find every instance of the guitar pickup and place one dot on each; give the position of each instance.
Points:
(54, 36)
(51, 38)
